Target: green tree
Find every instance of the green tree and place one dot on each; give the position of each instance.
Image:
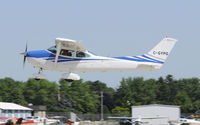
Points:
(120, 111)
(12, 91)
(79, 96)
(41, 92)
(183, 100)
(108, 94)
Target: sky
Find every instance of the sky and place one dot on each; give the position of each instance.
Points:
(105, 27)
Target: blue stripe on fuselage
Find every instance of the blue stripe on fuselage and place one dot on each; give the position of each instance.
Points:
(49, 56)
(151, 58)
(138, 59)
(78, 60)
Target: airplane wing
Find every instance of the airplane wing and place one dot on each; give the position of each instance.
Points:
(120, 117)
(157, 117)
(132, 120)
(138, 120)
(67, 44)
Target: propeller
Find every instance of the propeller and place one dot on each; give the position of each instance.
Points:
(25, 55)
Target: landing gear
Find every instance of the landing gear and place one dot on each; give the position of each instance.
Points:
(69, 80)
(39, 75)
(70, 77)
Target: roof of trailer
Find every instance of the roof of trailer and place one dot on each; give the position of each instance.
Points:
(12, 106)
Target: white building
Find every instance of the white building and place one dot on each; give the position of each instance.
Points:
(12, 110)
(164, 113)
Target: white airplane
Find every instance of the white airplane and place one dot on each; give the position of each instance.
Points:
(186, 121)
(70, 56)
(136, 121)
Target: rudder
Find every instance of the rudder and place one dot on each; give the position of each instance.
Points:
(162, 50)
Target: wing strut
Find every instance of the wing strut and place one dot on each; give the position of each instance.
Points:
(58, 52)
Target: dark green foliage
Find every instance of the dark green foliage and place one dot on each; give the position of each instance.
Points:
(11, 91)
(79, 96)
(41, 92)
(120, 110)
(137, 91)
(108, 95)
(75, 96)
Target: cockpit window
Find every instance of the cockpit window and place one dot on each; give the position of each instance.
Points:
(53, 49)
(67, 52)
(81, 54)
(71, 53)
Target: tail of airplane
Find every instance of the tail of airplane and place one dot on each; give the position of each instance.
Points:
(162, 50)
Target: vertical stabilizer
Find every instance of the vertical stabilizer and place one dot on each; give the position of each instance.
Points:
(162, 50)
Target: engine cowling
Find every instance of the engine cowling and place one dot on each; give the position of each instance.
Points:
(70, 76)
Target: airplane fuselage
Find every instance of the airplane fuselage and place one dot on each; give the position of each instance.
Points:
(69, 56)
(46, 60)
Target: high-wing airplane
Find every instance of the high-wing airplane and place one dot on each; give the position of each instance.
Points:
(136, 121)
(70, 56)
(186, 121)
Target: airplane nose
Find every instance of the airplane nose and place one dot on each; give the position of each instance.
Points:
(23, 54)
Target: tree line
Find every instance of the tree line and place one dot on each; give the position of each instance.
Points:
(84, 96)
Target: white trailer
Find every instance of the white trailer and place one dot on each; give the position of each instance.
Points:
(164, 113)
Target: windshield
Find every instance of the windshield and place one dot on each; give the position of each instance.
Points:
(92, 53)
(71, 53)
(52, 49)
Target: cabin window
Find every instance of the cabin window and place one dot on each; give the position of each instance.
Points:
(52, 49)
(81, 54)
(67, 52)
